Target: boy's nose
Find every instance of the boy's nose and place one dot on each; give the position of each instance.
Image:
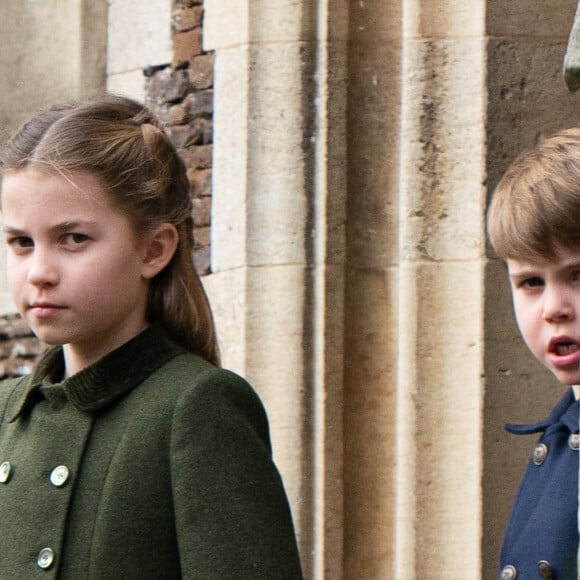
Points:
(557, 305)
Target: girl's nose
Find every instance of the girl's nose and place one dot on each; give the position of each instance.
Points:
(557, 305)
(42, 271)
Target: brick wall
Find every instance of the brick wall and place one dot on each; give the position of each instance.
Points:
(181, 94)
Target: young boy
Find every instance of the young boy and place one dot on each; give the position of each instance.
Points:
(534, 226)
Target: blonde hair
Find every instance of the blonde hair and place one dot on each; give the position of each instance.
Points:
(121, 143)
(536, 205)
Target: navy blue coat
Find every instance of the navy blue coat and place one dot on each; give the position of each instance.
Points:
(541, 539)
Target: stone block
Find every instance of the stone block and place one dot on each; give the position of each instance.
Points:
(443, 151)
(202, 261)
(440, 393)
(540, 19)
(185, 19)
(370, 359)
(202, 212)
(197, 157)
(139, 34)
(200, 103)
(131, 84)
(177, 115)
(185, 135)
(200, 182)
(226, 24)
(186, 46)
(202, 237)
(200, 72)
(448, 19)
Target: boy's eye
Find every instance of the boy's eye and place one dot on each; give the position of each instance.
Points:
(533, 282)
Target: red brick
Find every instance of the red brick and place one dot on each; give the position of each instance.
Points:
(185, 19)
(186, 46)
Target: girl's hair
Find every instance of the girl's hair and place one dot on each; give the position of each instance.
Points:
(122, 143)
(536, 205)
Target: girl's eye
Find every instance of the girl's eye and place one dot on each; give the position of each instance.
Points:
(20, 243)
(74, 239)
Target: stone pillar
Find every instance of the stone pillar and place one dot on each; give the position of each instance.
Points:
(278, 239)
(440, 289)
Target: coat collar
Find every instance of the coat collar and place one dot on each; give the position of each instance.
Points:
(100, 384)
(565, 413)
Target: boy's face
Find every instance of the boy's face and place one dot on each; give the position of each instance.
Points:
(546, 296)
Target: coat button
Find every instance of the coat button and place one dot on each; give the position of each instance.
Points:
(545, 570)
(59, 475)
(5, 470)
(574, 441)
(540, 453)
(45, 558)
(508, 572)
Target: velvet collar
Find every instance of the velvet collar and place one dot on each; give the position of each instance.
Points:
(100, 384)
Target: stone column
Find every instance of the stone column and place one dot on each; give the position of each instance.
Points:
(440, 289)
(278, 239)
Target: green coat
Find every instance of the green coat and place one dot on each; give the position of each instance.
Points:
(150, 464)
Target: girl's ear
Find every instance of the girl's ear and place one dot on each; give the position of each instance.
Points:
(160, 245)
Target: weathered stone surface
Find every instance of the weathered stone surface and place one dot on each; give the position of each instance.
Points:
(201, 259)
(198, 157)
(185, 19)
(200, 182)
(19, 348)
(178, 115)
(199, 103)
(202, 211)
(186, 46)
(200, 72)
(185, 135)
(202, 237)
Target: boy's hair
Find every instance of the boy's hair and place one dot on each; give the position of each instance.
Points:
(536, 205)
(121, 143)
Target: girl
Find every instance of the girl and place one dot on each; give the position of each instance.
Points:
(128, 453)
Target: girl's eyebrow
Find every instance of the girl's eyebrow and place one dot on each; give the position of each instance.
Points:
(61, 227)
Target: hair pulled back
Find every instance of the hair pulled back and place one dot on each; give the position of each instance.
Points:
(121, 143)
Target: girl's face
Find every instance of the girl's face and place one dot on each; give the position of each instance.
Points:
(76, 269)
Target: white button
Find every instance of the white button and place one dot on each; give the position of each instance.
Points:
(45, 558)
(508, 572)
(574, 441)
(59, 475)
(540, 453)
(5, 469)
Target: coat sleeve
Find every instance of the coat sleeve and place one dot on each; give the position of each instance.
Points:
(232, 515)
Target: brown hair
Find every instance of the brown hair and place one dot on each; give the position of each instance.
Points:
(536, 205)
(122, 143)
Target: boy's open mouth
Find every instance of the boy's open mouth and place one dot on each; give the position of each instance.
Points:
(563, 346)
